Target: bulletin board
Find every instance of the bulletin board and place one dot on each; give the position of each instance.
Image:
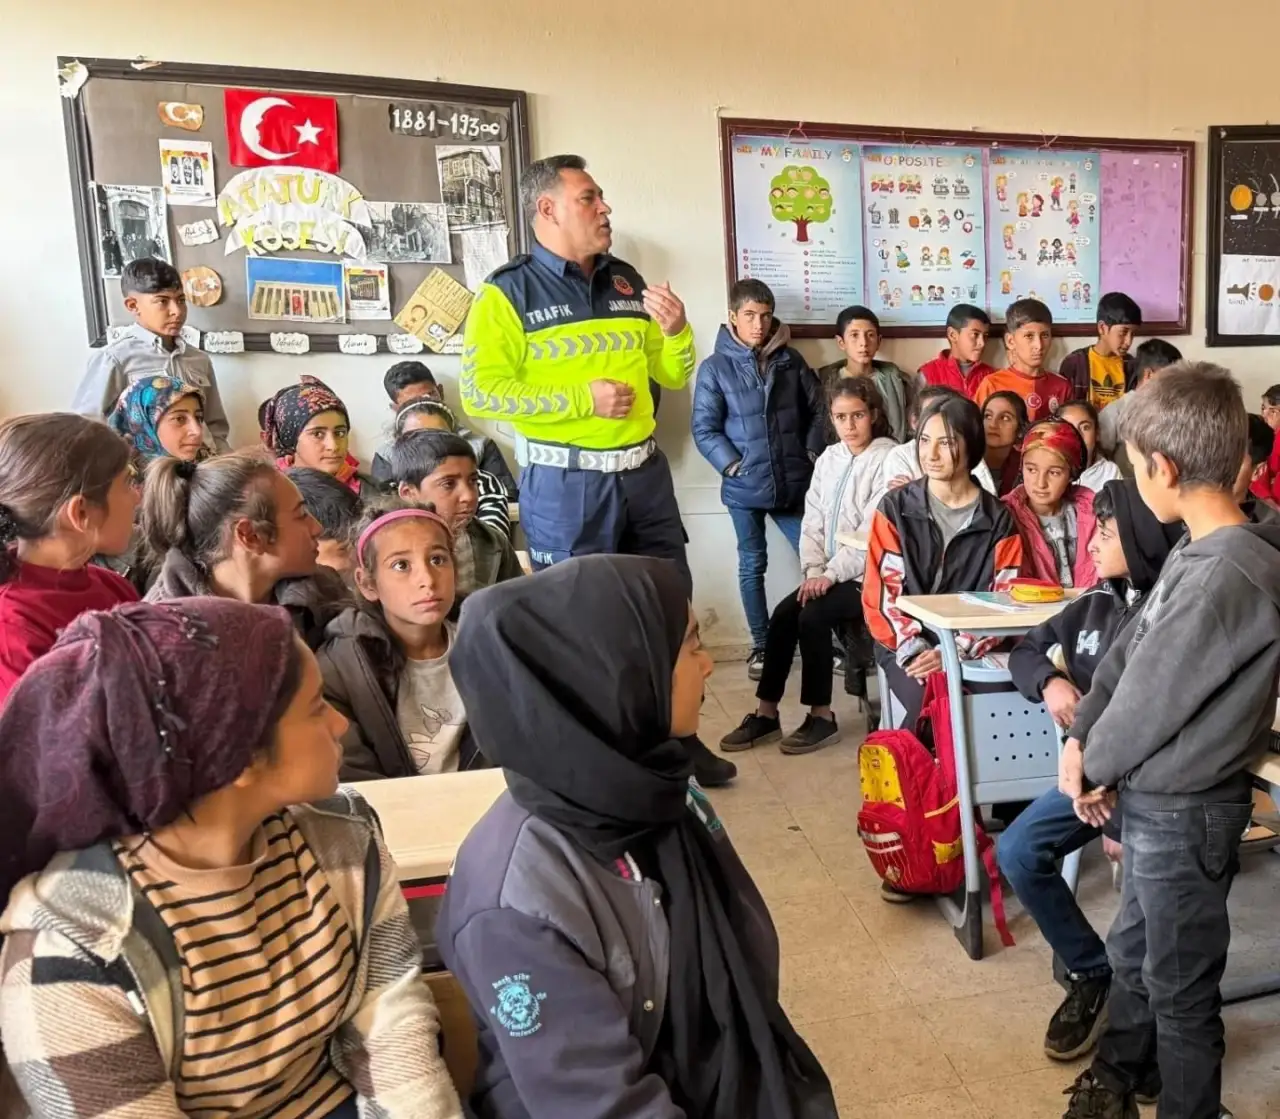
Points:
(294, 203)
(910, 222)
(1243, 306)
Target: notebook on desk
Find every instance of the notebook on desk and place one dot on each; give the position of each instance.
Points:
(994, 600)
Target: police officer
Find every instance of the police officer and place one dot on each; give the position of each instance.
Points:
(562, 344)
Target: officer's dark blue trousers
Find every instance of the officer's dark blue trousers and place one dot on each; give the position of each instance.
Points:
(567, 513)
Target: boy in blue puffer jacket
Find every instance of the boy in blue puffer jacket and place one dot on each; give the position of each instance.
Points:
(757, 418)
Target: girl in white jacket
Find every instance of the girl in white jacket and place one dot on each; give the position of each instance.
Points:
(848, 482)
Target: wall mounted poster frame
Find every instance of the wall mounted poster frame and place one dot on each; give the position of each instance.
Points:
(1242, 307)
(402, 149)
(929, 230)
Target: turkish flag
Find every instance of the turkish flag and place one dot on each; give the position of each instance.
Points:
(267, 129)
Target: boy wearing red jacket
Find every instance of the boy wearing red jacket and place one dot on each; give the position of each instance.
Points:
(960, 366)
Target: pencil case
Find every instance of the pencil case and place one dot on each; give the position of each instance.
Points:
(1035, 590)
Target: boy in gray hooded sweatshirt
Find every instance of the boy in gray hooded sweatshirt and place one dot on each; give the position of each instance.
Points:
(1178, 710)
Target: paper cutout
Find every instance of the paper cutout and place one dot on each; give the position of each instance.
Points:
(198, 232)
(224, 342)
(409, 231)
(368, 291)
(483, 250)
(471, 184)
(404, 345)
(132, 224)
(435, 310)
(71, 79)
(290, 343)
(362, 344)
(293, 208)
(181, 114)
(203, 285)
(295, 290)
(266, 129)
(190, 335)
(186, 170)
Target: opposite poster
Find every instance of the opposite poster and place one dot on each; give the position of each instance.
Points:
(1043, 222)
(923, 230)
(1249, 271)
(797, 217)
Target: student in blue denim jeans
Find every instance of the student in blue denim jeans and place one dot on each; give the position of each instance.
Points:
(1178, 710)
(1054, 664)
(757, 418)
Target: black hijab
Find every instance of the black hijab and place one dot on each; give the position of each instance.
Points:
(1145, 540)
(566, 678)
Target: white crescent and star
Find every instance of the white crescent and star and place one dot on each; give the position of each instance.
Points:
(251, 125)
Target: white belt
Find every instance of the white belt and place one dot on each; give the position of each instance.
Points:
(530, 453)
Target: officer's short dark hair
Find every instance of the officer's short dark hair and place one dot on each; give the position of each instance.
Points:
(541, 176)
(149, 275)
(750, 291)
(1154, 354)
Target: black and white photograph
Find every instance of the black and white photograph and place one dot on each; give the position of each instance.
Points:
(471, 184)
(405, 232)
(132, 224)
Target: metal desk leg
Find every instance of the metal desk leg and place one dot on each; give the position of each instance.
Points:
(966, 921)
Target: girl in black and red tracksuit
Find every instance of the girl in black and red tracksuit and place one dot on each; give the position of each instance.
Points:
(941, 534)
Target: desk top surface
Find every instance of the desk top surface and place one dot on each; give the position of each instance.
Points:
(425, 819)
(951, 611)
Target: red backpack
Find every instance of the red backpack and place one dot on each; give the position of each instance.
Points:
(910, 816)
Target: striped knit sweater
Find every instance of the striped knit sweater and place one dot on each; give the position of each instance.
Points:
(131, 987)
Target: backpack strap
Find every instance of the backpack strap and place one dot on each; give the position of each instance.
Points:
(935, 719)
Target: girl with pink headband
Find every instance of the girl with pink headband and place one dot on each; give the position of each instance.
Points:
(386, 661)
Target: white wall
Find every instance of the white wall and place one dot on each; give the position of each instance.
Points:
(636, 89)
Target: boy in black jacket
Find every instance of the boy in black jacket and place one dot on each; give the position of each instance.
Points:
(1055, 662)
(1178, 711)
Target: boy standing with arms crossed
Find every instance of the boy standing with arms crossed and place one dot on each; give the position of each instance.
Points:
(1175, 733)
(1028, 334)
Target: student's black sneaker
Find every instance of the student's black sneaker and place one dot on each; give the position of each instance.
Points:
(1077, 1024)
(1090, 1100)
(754, 730)
(755, 664)
(711, 770)
(894, 896)
(813, 734)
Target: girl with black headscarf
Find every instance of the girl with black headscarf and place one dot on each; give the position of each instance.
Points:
(612, 945)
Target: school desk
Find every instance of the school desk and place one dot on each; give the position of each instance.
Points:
(1013, 774)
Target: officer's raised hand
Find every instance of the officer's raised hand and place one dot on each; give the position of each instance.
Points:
(612, 399)
(665, 308)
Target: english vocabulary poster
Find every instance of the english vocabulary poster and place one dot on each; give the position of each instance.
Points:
(797, 220)
(923, 230)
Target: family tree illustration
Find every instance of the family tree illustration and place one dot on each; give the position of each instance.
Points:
(800, 195)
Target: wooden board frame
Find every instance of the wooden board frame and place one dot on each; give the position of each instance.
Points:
(873, 134)
(80, 161)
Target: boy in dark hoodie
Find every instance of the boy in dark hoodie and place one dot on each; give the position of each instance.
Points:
(758, 419)
(1179, 709)
(1055, 663)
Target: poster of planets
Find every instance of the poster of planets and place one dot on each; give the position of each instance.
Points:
(1043, 231)
(1248, 282)
(923, 231)
(796, 210)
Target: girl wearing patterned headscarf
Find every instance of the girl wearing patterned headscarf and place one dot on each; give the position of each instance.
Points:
(1054, 514)
(308, 425)
(161, 416)
(166, 833)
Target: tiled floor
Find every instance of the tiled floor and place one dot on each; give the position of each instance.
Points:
(906, 1025)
